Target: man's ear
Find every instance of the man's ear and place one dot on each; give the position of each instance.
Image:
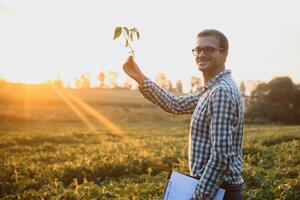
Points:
(225, 54)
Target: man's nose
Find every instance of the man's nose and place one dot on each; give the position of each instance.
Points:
(201, 53)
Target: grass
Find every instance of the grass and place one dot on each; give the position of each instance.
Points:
(135, 166)
(48, 153)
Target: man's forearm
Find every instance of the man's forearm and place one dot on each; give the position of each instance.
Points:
(140, 79)
(167, 101)
(211, 178)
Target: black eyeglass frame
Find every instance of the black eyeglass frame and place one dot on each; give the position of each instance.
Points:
(208, 50)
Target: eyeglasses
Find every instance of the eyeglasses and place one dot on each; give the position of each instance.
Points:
(208, 50)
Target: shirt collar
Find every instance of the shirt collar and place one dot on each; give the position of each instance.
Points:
(216, 78)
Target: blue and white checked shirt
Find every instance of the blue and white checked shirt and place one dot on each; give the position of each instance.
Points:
(216, 130)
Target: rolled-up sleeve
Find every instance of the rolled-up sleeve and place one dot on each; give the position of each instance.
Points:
(184, 104)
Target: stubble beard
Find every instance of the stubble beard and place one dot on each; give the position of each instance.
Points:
(204, 66)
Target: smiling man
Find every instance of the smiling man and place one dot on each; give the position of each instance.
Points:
(216, 131)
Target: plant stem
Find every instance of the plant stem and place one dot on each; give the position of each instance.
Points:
(126, 38)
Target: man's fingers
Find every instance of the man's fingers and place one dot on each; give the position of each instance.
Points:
(130, 59)
(129, 64)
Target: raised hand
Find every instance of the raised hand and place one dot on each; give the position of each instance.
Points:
(133, 70)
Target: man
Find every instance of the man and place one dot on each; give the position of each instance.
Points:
(216, 132)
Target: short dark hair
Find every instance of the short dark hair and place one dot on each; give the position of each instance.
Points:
(223, 41)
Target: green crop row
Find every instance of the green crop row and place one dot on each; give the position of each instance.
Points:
(67, 161)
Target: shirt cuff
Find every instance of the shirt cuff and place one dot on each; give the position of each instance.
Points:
(203, 196)
(145, 85)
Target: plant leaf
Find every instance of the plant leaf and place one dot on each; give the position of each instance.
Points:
(127, 43)
(118, 31)
(137, 34)
(126, 30)
(130, 35)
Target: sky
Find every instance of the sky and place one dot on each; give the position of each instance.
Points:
(41, 39)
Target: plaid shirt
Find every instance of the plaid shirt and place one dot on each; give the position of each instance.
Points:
(216, 130)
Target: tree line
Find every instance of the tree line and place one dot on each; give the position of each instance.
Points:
(277, 101)
(110, 80)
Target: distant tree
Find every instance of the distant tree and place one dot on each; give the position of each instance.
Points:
(101, 78)
(196, 84)
(277, 101)
(68, 85)
(179, 86)
(78, 82)
(112, 79)
(83, 81)
(127, 84)
(242, 88)
(58, 82)
(2, 80)
(161, 80)
(169, 86)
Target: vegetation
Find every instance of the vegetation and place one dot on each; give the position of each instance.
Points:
(49, 152)
(277, 102)
(129, 34)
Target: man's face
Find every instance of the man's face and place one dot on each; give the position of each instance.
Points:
(214, 58)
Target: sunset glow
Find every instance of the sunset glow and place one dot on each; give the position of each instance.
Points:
(43, 40)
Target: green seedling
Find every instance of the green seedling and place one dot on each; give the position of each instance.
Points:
(129, 34)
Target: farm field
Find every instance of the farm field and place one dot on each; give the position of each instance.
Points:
(125, 152)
